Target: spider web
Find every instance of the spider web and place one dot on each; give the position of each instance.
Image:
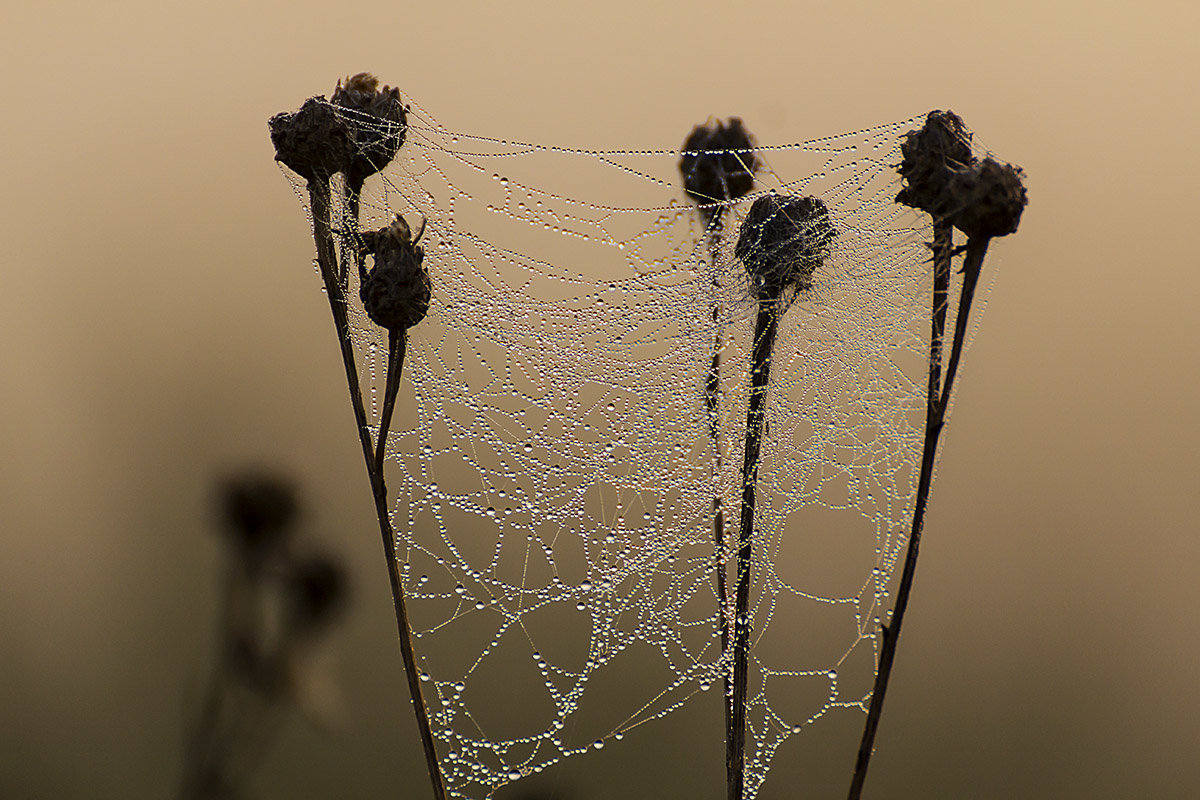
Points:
(552, 461)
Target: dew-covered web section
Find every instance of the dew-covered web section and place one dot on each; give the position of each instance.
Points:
(551, 463)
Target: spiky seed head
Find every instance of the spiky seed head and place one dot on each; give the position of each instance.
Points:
(930, 156)
(377, 120)
(987, 198)
(712, 177)
(397, 292)
(782, 242)
(314, 141)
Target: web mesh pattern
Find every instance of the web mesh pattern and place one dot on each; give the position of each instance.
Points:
(551, 456)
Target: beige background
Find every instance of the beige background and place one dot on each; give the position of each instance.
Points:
(159, 322)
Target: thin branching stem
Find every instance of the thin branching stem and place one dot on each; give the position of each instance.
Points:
(765, 328)
(319, 194)
(935, 420)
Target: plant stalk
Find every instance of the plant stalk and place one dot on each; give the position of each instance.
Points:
(712, 406)
(397, 343)
(765, 328)
(935, 419)
(319, 194)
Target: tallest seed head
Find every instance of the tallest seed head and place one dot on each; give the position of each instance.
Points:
(782, 242)
(377, 120)
(718, 164)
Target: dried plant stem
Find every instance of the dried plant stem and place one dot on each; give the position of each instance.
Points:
(319, 193)
(354, 234)
(397, 343)
(765, 328)
(712, 397)
(935, 419)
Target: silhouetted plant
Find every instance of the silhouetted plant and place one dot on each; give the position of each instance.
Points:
(358, 134)
(275, 602)
(983, 199)
(782, 241)
(718, 166)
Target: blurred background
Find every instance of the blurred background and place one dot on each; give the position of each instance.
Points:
(161, 326)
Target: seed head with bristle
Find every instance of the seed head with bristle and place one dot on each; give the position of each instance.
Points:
(782, 242)
(397, 292)
(718, 164)
(930, 156)
(377, 120)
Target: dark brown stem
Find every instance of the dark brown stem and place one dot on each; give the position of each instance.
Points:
(326, 259)
(712, 395)
(397, 342)
(935, 420)
(353, 230)
(765, 328)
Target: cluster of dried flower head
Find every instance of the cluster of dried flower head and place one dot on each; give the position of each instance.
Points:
(277, 600)
(358, 133)
(259, 512)
(982, 198)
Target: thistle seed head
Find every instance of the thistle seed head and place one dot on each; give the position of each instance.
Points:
(377, 121)
(718, 177)
(258, 511)
(396, 293)
(315, 141)
(988, 198)
(930, 155)
(782, 242)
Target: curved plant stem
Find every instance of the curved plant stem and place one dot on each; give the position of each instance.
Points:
(765, 328)
(319, 194)
(935, 420)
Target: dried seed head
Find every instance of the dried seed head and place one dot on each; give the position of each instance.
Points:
(396, 293)
(718, 177)
(258, 510)
(782, 241)
(376, 119)
(315, 141)
(931, 154)
(988, 198)
(316, 589)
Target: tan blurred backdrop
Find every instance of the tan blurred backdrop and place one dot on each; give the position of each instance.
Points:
(160, 323)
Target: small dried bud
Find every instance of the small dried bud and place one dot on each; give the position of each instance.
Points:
(931, 154)
(258, 510)
(782, 241)
(396, 293)
(314, 141)
(718, 177)
(316, 589)
(988, 198)
(377, 120)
